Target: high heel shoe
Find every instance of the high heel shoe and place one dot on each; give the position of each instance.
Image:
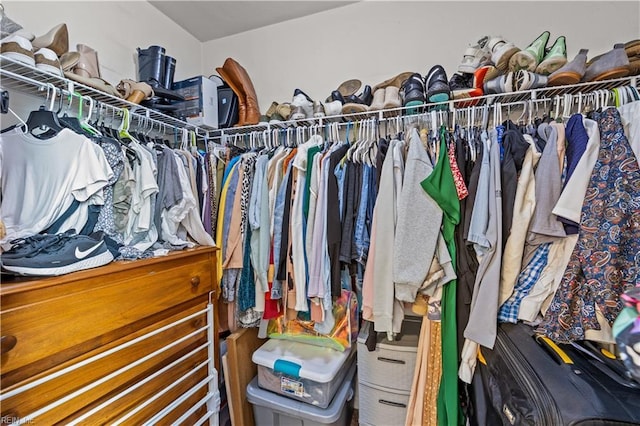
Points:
(57, 39)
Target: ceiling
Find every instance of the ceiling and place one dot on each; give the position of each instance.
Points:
(210, 20)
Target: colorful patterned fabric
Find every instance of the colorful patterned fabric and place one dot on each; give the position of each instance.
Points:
(606, 259)
(526, 280)
(461, 187)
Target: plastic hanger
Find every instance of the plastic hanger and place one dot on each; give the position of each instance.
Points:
(123, 130)
(44, 123)
(84, 122)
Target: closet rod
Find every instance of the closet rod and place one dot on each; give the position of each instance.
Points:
(548, 93)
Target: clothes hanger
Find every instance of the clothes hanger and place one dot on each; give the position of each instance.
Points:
(68, 120)
(43, 123)
(84, 122)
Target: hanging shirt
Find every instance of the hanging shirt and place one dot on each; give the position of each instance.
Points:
(419, 220)
(629, 114)
(441, 187)
(297, 223)
(41, 179)
(603, 264)
(569, 205)
(260, 223)
(545, 225)
(523, 207)
(106, 218)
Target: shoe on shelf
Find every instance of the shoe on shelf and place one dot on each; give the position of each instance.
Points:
(69, 60)
(68, 253)
(436, 85)
(634, 65)
(18, 48)
(284, 110)
(358, 103)
(462, 85)
(529, 58)
(572, 72)
(475, 56)
(26, 34)
(461, 81)
(304, 105)
(395, 81)
(297, 112)
(498, 85)
(378, 99)
(412, 91)
(555, 58)
(272, 109)
(28, 246)
(336, 96)
(87, 65)
(47, 61)
(632, 48)
(57, 39)
(332, 108)
(610, 65)
(346, 88)
(135, 91)
(318, 110)
(501, 51)
(349, 87)
(527, 80)
(392, 97)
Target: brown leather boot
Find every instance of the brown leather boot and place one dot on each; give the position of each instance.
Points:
(240, 82)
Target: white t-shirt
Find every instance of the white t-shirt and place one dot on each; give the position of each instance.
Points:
(41, 178)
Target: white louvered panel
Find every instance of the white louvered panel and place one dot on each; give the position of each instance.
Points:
(186, 361)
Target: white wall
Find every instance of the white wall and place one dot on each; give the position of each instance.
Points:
(114, 29)
(375, 40)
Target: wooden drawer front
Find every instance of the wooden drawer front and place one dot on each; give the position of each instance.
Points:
(113, 369)
(97, 312)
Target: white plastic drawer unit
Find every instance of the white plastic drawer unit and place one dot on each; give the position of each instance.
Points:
(392, 364)
(381, 406)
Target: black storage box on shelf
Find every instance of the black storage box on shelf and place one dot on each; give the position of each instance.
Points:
(227, 107)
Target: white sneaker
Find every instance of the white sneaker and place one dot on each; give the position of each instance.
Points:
(332, 108)
(47, 61)
(301, 101)
(18, 48)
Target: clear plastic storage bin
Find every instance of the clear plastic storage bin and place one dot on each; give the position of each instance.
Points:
(300, 371)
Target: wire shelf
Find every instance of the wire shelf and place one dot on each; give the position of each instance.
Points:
(19, 76)
(27, 79)
(511, 98)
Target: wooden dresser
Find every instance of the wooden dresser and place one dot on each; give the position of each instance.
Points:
(127, 343)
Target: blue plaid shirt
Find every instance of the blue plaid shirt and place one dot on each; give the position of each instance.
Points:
(528, 277)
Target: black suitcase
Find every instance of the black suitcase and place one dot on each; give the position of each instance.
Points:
(526, 380)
